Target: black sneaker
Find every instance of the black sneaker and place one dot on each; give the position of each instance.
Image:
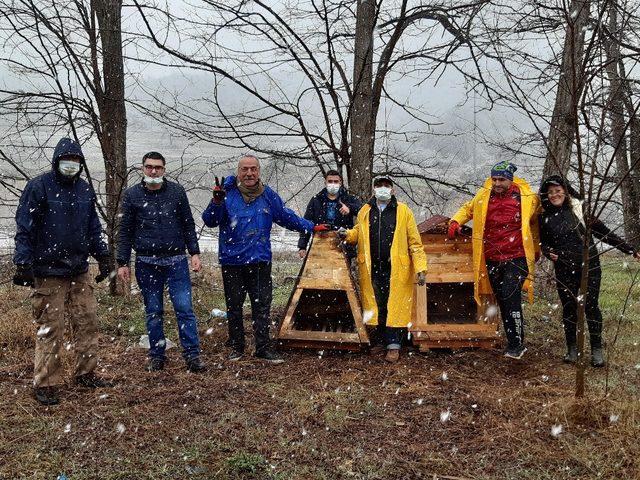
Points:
(91, 380)
(47, 395)
(515, 352)
(597, 357)
(155, 365)
(195, 365)
(270, 356)
(235, 355)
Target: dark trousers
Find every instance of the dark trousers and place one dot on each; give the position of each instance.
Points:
(151, 280)
(506, 279)
(568, 284)
(253, 279)
(390, 336)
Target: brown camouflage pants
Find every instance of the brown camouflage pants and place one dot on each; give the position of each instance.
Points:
(52, 297)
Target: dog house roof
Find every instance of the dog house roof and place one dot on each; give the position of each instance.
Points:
(435, 224)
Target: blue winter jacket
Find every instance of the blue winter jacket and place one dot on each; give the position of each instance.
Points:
(57, 226)
(245, 228)
(156, 223)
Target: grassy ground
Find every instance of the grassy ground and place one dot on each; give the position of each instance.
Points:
(326, 415)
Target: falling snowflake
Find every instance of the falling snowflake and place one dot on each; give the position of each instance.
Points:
(67, 428)
(613, 418)
(120, 428)
(444, 377)
(209, 331)
(491, 311)
(445, 416)
(42, 331)
(367, 315)
(556, 430)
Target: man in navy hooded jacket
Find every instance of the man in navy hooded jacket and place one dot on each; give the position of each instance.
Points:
(57, 229)
(245, 209)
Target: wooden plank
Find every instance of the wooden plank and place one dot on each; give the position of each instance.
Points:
(457, 327)
(419, 318)
(460, 335)
(356, 312)
(319, 284)
(320, 336)
(453, 277)
(314, 345)
(482, 344)
(291, 308)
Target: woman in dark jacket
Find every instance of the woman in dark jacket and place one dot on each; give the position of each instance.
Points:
(562, 231)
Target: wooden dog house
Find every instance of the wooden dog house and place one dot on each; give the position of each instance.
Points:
(323, 310)
(445, 313)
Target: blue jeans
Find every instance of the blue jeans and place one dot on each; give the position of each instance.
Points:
(391, 336)
(151, 280)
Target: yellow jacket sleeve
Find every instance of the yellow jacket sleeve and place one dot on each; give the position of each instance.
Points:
(416, 249)
(535, 226)
(465, 213)
(352, 235)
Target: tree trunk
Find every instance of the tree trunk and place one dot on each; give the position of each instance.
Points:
(563, 120)
(630, 206)
(113, 115)
(362, 121)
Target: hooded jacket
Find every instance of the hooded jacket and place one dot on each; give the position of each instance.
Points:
(317, 212)
(476, 210)
(562, 229)
(245, 228)
(407, 258)
(57, 226)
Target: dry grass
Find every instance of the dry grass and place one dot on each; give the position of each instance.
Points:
(328, 416)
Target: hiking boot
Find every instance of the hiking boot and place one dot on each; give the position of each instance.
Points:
(195, 365)
(515, 352)
(91, 380)
(392, 356)
(235, 355)
(155, 364)
(270, 356)
(597, 357)
(47, 395)
(572, 354)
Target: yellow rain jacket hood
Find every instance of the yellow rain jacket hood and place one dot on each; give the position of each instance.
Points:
(476, 210)
(407, 259)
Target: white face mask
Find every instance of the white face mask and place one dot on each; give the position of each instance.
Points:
(333, 188)
(382, 193)
(153, 180)
(68, 168)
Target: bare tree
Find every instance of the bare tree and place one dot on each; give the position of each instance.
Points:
(287, 68)
(70, 58)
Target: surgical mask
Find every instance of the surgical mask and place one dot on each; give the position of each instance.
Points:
(382, 193)
(153, 180)
(333, 188)
(68, 168)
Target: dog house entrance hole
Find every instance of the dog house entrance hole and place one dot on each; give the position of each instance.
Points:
(451, 303)
(324, 311)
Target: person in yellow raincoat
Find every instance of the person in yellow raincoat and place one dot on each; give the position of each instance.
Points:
(390, 259)
(505, 246)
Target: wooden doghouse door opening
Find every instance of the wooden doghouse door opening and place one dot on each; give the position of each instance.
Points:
(324, 311)
(451, 303)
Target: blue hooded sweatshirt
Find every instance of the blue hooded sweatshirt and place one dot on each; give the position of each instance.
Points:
(57, 226)
(245, 228)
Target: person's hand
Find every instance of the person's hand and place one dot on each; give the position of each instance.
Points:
(24, 276)
(196, 264)
(322, 227)
(421, 278)
(302, 253)
(342, 233)
(344, 210)
(553, 257)
(454, 229)
(105, 267)
(637, 255)
(124, 274)
(219, 194)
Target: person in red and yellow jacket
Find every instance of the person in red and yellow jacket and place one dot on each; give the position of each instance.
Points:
(391, 259)
(505, 246)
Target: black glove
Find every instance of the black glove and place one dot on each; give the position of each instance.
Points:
(219, 193)
(24, 276)
(105, 266)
